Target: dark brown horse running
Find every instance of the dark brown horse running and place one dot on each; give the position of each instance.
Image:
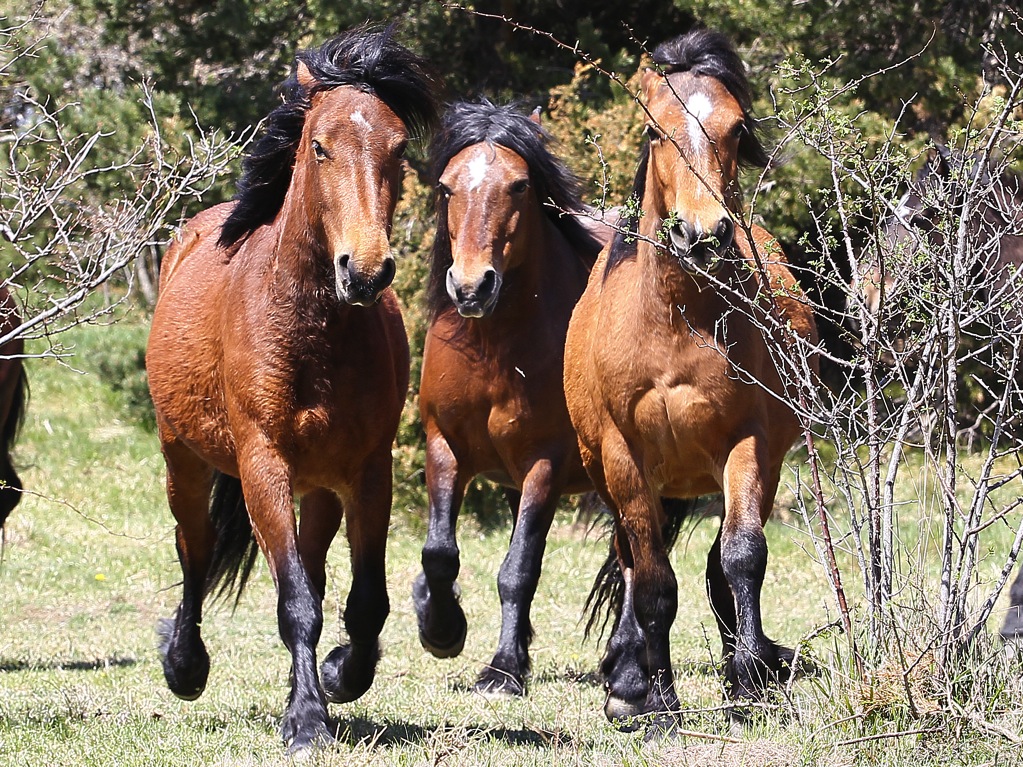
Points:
(508, 265)
(13, 401)
(278, 356)
(676, 365)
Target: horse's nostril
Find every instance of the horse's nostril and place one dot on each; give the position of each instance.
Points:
(682, 237)
(724, 233)
(387, 273)
(488, 283)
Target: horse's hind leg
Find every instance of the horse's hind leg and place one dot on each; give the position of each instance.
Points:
(349, 669)
(442, 625)
(186, 664)
(719, 593)
(517, 581)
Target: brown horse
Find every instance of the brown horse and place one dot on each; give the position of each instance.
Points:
(13, 401)
(676, 364)
(509, 262)
(278, 364)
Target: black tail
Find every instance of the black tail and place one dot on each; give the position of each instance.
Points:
(235, 551)
(608, 590)
(10, 491)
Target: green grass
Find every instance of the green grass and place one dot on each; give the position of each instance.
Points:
(89, 567)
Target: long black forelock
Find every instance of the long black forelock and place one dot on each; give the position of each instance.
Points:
(556, 188)
(368, 58)
(711, 54)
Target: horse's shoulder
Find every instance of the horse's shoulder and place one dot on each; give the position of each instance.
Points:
(198, 235)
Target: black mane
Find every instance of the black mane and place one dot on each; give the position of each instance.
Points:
(555, 186)
(711, 54)
(367, 58)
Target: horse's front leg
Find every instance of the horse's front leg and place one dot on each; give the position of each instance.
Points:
(267, 487)
(186, 664)
(349, 669)
(442, 625)
(517, 581)
(749, 496)
(654, 588)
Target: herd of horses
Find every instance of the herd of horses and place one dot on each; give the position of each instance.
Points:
(649, 356)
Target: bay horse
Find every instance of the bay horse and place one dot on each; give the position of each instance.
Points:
(512, 253)
(13, 402)
(278, 364)
(677, 366)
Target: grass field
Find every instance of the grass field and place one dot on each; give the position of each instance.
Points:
(89, 567)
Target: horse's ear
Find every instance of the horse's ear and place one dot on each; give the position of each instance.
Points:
(535, 115)
(650, 80)
(943, 160)
(304, 76)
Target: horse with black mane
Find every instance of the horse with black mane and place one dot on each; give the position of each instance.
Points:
(682, 361)
(513, 250)
(278, 364)
(13, 402)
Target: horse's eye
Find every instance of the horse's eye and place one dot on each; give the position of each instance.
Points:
(738, 130)
(399, 151)
(444, 189)
(319, 151)
(520, 186)
(652, 132)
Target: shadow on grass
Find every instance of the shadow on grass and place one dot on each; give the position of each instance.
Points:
(353, 731)
(10, 666)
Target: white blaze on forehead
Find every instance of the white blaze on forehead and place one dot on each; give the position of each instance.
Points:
(698, 110)
(358, 118)
(477, 170)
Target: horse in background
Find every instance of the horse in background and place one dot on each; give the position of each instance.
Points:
(13, 402)
(950, 187)
(681, 361)
(278, 365)
(513, 250)
(955, 188)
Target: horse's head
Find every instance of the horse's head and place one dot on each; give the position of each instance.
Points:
(351, 156)
(700, 131)
(334, 149)
(497, 182)
(489, 202)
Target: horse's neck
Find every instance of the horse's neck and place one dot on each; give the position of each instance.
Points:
(547, 268)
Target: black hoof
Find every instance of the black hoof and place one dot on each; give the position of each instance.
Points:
(496, 684)
(303, 741)
(186, 672)
(346, 674)
(451, 644)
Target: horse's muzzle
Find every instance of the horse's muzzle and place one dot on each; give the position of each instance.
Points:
(698, 252)
(359, 289)
(475, 300)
